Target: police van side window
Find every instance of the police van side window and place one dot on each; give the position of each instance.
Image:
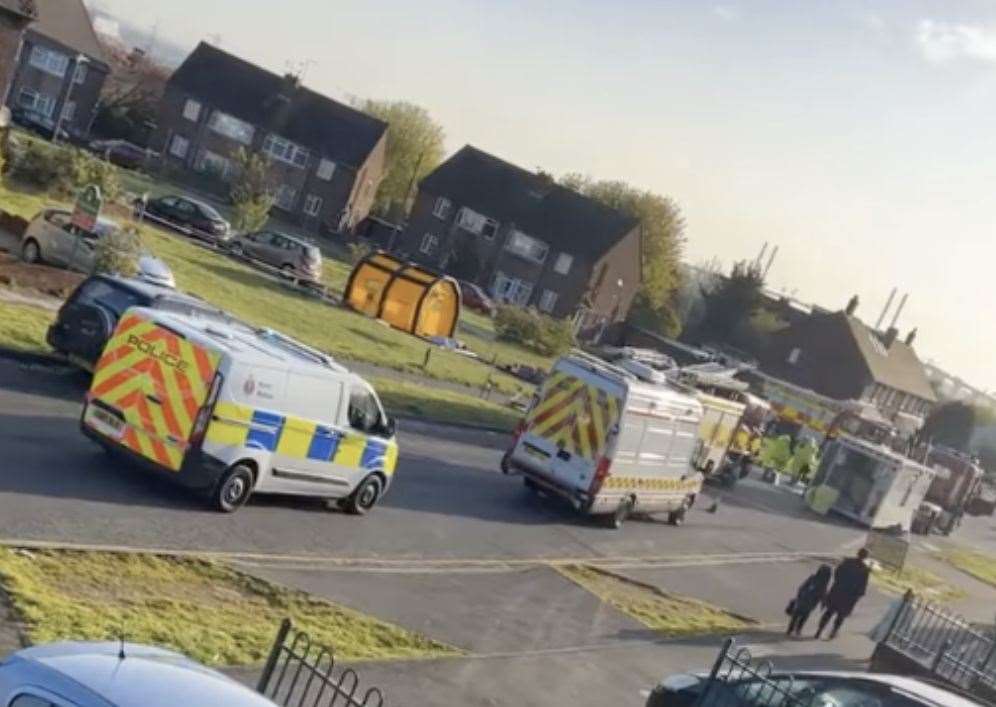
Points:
(364, 413)
(30, 701)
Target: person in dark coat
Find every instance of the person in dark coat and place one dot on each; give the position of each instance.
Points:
(850, 582)
(810, 594)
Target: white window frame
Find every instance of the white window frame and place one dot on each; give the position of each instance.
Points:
(442, 208)
(47, 102)
(208, 157)
(192, 110)
(227, 125)
(69, 111)
(512, 246)
(477, 223)
(286, 197)
(49, 61)
(512, 290)
(312, 205)
(286, 151)
(326, 169)
(179, 146)
(563, 264)
(429, 244)
(79, 75)
(548, 300)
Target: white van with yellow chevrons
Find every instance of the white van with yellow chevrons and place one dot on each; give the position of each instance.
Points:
(229, 410)
(610, 441)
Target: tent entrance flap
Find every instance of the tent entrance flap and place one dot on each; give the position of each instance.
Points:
(407, 296)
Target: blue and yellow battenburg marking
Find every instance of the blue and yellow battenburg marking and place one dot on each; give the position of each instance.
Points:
(241, 426)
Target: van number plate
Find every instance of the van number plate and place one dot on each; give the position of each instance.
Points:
(104, 422)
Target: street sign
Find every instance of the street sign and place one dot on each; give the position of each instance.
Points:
(87, 209)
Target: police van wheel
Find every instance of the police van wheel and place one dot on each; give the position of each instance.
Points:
(364, 497)
(234, 489)
(677, 517)
(621, 513)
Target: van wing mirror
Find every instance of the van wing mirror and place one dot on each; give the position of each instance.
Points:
(390, 425)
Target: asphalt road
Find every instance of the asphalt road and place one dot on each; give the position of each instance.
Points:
(448, 501)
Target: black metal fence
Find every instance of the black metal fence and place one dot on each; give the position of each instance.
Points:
(737, 679)
(944, 644)
(303, 674)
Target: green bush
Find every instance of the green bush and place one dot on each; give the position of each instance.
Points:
(527, 327)
(43, 166)
(85, 169)
(118, 252)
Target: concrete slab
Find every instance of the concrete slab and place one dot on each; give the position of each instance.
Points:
(490, 612)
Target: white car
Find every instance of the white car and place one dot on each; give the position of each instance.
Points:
(51, 238)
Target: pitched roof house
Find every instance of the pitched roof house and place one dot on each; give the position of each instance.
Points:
(15, 16)
(328, 157)
(839, 356)
(525, 238)
(62, 67)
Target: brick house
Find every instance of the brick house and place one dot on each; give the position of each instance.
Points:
(327, 158)
(525, 239)
(15, 16)
(61, 68)
(837, 355)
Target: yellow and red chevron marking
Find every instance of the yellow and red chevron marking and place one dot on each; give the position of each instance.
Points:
(141, 360)
(574, 416)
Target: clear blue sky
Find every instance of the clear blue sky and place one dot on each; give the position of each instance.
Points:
(859, 136)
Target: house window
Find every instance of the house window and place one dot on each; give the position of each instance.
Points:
(548, 300)
(286, 196)
(527, 247)
(479, 224)
(284, 150)
(312, 205)
(39, 102)
(192, 110)
(69, 111)
(563, 264)
(429, 244)
(326, 168)
(179, 146)
(79, 76)
(49, 61)
(214, 164)
(442, 208)
(512, 289)
(231, 127)
(794, 354)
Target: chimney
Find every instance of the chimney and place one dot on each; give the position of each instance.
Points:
(911, 337)
(890, 337)
(852, 306)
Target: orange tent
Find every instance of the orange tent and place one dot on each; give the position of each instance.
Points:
(405, 295)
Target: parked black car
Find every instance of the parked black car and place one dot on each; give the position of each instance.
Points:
(88, 318)
(123, 153)
(186, 215)
(476, 299)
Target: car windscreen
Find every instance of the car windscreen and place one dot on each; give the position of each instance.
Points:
(208, 211)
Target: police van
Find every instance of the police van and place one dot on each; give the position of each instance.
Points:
(610, 441)
(228, 410)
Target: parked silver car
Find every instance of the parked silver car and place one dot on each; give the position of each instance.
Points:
(112, 675)
(294, 256)
(52, 238)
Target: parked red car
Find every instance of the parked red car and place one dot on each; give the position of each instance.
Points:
(476, 299)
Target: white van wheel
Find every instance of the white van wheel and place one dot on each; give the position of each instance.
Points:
(677, 517)
(233, 489)
(622, 512)
(364, 497)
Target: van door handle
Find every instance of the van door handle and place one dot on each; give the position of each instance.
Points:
(564, 455)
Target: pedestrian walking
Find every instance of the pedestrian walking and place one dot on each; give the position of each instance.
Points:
(810, 594)
(850, 581)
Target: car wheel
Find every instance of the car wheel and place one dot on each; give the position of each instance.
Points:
(677, 517)
(364, 497)
(233, 489)
(616, 520)
(288, 271)
(31, 252)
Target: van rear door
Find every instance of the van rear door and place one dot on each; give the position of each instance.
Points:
(148, 388)
(567, 430)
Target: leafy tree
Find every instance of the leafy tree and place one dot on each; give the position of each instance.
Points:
(663, 241)
(252, 191)
(414, 148)
(85, 169)
(730, 306)
(118, 252)
(130, 99)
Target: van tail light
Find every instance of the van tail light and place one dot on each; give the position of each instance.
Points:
(601, 474)
(203, 418)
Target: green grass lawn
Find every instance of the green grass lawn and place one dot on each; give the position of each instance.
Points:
(669, 614)
(23, 327)
(443, 405)
(977, 564)
(924, 583)
(205, 610)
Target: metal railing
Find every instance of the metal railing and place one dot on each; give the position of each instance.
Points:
(301, 673)
(946, 644)
(736, 679)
